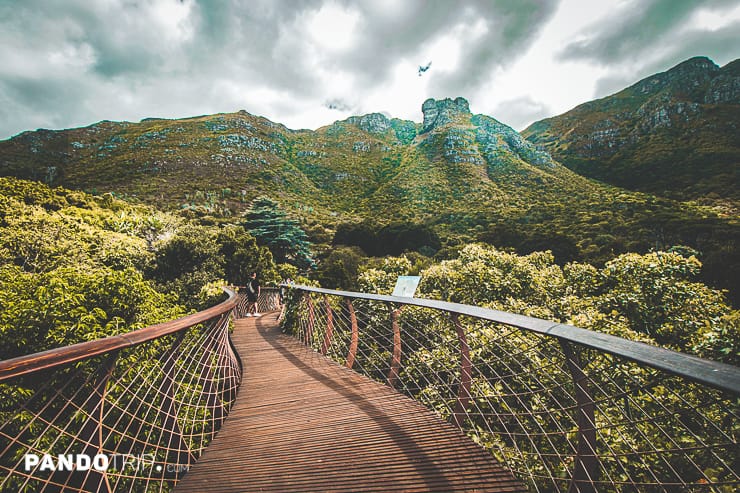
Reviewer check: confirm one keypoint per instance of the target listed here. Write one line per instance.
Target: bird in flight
(424, 68)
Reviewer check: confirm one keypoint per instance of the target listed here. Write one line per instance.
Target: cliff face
(674, 133)
(444, 111)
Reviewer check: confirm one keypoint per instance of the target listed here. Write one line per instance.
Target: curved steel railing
(129, 412)
(565, 408)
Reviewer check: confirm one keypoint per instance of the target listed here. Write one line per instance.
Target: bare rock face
(375, 123)
(438, 113)
(725, 87)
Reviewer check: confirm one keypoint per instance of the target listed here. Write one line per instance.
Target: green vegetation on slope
(74, 267)
(673, 134)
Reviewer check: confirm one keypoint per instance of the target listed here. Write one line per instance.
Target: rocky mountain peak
(684, 77)
(694, 64)
(443, 111)
(673, 133)
(725, 87)
(376, 123)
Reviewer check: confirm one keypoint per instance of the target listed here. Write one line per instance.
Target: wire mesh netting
(561, 416)
(129, 420)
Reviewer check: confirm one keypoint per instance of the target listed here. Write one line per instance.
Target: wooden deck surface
(303, 423)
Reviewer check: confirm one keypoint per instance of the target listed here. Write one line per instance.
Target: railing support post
(241, 306)
(92, 433)
(170, 425)
(586, 462)
(396, 359)
(329, 327)
(283, 308)
(311, 319)
(463, 391)
(355, 335)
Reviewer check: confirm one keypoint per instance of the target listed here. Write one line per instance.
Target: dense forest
(74, 267)
(77, 267)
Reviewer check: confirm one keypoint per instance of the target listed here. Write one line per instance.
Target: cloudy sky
(307, 63)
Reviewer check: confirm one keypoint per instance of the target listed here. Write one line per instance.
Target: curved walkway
(304, 423)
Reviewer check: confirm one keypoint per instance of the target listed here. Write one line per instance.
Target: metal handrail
(715, 374)
(52, 358)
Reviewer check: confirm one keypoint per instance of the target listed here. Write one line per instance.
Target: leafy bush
(40, 311)
(74, 267)
(651, 298)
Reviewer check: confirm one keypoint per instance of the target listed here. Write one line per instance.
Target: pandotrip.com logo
(144, 464)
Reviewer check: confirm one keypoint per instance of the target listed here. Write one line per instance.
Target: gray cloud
(614, 83)
(383, 41)
(722, 45)
(511, 26)
(518, 113)
(337, 104)
(74, 62)
(637, 30)
(106, 49)
(256, 41)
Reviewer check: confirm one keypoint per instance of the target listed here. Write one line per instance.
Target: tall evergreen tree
(272, 228)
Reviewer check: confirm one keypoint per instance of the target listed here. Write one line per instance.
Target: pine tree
(272, 228)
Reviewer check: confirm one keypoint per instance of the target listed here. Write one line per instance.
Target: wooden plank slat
(304, 423)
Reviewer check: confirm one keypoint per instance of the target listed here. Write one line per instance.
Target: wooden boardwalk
(303, 423)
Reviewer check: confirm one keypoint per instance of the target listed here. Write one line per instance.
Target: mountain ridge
(674, 133)
(465, 177)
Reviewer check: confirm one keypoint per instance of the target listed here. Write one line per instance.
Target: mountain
(442, 183)
(363, 165)
(676, 134)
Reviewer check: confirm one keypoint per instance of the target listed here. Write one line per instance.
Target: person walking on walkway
(253, 293)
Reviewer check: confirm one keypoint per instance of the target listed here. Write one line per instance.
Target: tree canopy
(651, 298)
(272, 227)
(75, 267)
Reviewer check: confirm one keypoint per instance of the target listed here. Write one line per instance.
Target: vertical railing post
(586, 462)
(283, 307)
(241, 306)
(355, 335)
(396, 359)
(91, 433)
(311, 319)
(329, 327)
(463, 391)
(170, 425)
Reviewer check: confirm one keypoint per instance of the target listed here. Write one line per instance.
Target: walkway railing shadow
(565, 408)
(126, 413)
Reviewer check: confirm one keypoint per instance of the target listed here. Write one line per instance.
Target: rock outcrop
(374, 123)
(443, 111)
